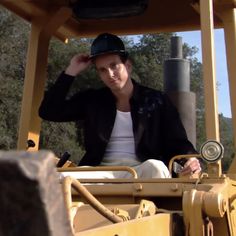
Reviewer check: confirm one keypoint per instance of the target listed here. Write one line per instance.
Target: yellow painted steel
(132, 172)
(193, 213)
(160, 16)
(209, 77)
(228, 16)
(158, 225)
(35, 75)
(208, 58)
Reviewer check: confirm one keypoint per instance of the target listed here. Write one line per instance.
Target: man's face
(112, 71)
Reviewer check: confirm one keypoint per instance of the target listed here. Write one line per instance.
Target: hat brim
(121, 52)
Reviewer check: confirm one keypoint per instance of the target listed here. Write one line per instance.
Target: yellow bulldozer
(199, 205)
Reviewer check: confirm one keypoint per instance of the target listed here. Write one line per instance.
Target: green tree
(13, 43)
(148, 56)
(226, 137)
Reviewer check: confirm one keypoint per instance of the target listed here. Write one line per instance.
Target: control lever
(63, 159)
(177, 168)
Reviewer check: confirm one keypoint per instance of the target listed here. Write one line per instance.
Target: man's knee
(156, 168)
(155, 163)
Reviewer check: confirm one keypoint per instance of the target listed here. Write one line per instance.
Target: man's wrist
(70, 72)
(68, 75)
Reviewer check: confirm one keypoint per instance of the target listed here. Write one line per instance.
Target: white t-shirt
(121, 148)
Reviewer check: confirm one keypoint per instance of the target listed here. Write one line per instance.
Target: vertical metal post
(228, 16)
(207, 27)
(35, 76)
(211, 114)
(177, 87)
(42, 29)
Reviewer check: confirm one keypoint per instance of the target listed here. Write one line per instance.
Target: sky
(194, 39)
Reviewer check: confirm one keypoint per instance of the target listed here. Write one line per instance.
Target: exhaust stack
(177, 87)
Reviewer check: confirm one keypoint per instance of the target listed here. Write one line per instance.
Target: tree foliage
(13, 43)
(148, 53)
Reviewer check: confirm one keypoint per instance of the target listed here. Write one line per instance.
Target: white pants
(149, 169)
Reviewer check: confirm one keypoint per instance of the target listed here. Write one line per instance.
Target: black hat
(107, 43)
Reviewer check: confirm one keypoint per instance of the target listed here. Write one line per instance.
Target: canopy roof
(159, 16)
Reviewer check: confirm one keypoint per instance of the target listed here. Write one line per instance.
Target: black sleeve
(176, 140)
(56, 106)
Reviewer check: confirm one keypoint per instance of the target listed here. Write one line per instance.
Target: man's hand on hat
(78, 63)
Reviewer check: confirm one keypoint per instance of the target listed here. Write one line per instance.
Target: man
(124, 123)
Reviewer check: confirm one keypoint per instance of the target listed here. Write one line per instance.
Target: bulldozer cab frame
(207, 202)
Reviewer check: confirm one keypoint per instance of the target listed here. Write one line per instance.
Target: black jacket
(158, 131)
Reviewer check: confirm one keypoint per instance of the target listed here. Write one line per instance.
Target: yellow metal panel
(158, 225)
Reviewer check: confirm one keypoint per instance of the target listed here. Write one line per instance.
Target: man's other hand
(192, 166)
